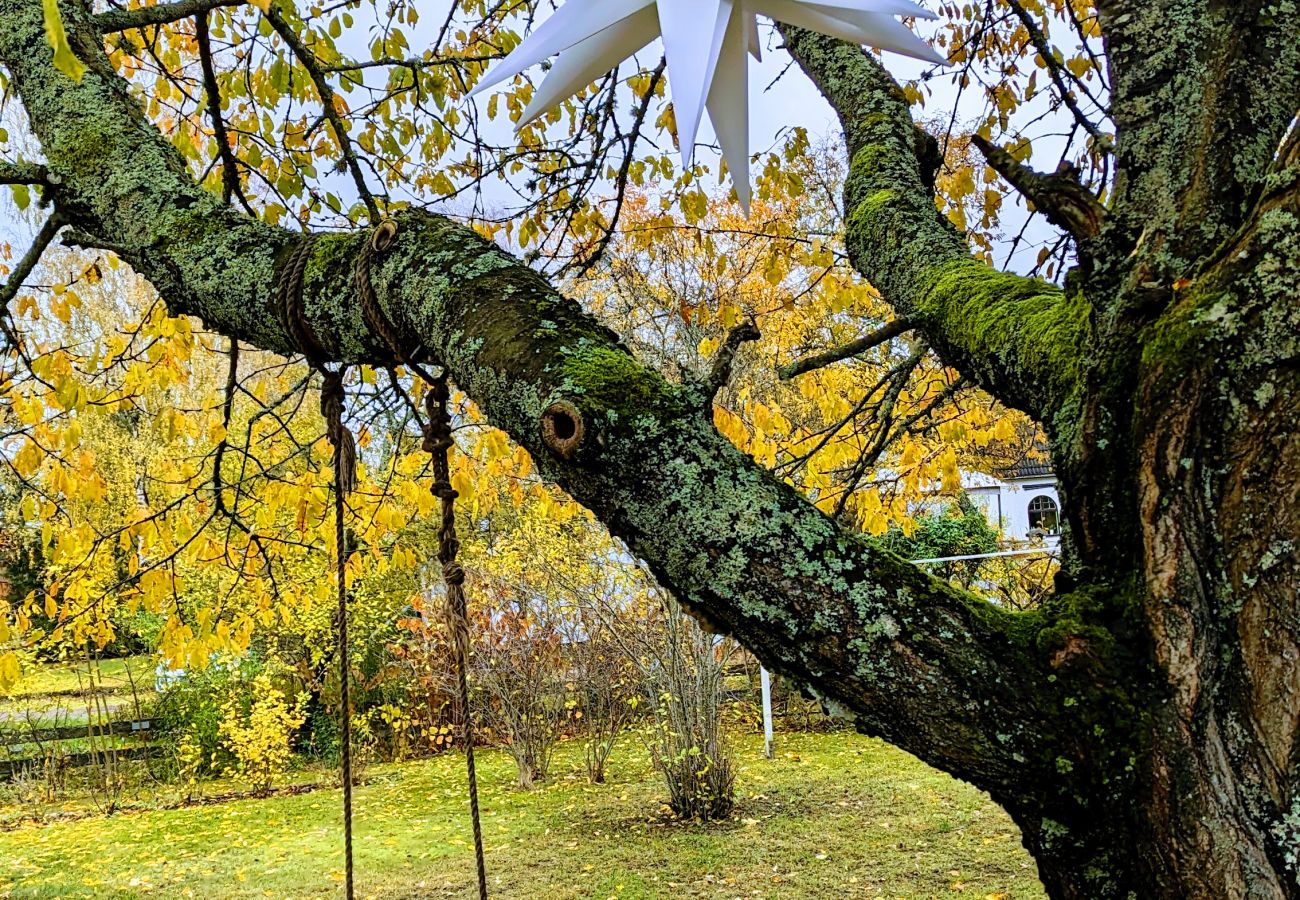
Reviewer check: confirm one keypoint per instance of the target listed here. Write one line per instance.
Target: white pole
(1032, 551)
(766, 681)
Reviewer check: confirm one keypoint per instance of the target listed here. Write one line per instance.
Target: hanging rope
(289, 290)
(438, 442)
(331, 402)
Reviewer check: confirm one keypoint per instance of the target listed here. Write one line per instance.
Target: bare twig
(620, 182)
(24, 268)
(1046, 51)
(880, 336)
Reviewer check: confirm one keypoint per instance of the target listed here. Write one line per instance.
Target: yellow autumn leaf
(64, 59)
(9, 671)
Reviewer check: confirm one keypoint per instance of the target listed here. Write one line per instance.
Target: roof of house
(1028, 468)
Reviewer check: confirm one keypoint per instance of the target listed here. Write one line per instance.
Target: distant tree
(956, 529)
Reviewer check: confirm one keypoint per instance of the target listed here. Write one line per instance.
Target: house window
(1044, 515)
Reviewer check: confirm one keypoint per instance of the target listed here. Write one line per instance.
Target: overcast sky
(780, 97)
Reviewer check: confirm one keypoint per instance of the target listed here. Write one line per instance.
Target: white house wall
(1006, 505)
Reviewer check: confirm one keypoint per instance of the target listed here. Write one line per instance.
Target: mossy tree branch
(941, 673)
(725, 358)
(1019, 338)
(161, 14)
(22, 173)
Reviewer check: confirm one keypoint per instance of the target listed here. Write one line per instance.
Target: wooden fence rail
(30, 749)
(11, 769)
(12, 737)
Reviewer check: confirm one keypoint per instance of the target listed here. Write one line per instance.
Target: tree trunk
(1177, 440)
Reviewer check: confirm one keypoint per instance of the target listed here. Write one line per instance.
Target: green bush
(189, 713)
(960, 529)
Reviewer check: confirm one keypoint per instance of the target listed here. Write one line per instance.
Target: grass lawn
(50, 695)
(833, 816)
(114, 675)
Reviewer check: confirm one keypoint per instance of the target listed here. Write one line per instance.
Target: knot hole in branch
(563, 429)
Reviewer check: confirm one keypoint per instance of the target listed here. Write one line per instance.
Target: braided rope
(301, 337)
(344, 481)
(439, 443)
(289, 296)
(340, 437)
(380, 240)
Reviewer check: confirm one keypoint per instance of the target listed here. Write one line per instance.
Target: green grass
(114, 675)
(52, 695)
(833, 816)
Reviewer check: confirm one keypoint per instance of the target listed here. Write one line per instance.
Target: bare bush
(681, 670)
(517, 673)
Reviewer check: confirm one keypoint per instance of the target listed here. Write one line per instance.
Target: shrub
(189, 715)
(605, 690)
(682, 669)
(258, 734)
(700, 778)
(517, 670)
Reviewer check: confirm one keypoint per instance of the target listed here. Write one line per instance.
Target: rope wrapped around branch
(288, 288)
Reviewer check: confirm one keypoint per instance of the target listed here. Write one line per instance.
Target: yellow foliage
(259, 737)
(9, 671)
(678, 282)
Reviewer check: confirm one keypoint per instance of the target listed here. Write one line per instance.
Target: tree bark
(1179, 451)
(1143, 727)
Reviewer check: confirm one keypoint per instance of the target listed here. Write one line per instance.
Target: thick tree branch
(861, 345)
(162, 14)
(938, 672)
(1019, 338)
(22, 173)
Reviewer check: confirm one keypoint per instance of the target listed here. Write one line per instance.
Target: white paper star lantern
(706, 42)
